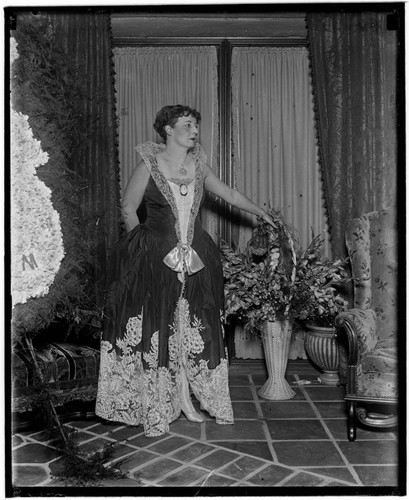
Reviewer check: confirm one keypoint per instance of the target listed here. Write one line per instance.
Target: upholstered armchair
(371, 326)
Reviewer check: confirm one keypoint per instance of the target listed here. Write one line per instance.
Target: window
(257, 123)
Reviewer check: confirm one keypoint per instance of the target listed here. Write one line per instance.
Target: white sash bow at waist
(184, 258)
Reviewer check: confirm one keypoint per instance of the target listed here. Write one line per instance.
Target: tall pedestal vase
(276, 338)
(321, 345)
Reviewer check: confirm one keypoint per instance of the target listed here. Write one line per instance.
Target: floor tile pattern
(294, 443)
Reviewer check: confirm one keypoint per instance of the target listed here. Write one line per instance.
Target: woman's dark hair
(169, 115)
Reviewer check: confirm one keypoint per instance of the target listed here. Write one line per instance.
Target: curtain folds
(86, 38)
(148, 78)
(275, 150)
(354, 69)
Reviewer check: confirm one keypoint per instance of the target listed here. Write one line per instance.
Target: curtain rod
(234, 41)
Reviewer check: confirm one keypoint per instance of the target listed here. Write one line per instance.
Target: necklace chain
(183, 189)
(181, 165)
(182, 168)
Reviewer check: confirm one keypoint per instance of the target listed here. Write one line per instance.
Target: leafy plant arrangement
(259, 281)
(317, 296)
(81, 469)
(48, 89)
(273, 280)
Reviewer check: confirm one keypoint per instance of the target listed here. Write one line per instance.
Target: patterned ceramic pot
(321, 345)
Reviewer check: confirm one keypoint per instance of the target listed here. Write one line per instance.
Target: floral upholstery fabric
(363, 322)
(70, 372)
(372, 246)
(383, 359)
(376, 385)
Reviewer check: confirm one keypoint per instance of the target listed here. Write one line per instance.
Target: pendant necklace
(183, 185)
(182, 169)
(183, 189)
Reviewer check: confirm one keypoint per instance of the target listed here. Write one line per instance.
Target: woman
(163, 334)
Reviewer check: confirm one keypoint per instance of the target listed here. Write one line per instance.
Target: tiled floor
(300, 442)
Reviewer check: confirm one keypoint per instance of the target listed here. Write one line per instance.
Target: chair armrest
(360, 327)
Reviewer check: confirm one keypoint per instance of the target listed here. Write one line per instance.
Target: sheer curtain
(148, 78)
(275, 151)
(354, 65)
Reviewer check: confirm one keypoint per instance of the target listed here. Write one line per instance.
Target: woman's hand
(133, 195)
(267, 218)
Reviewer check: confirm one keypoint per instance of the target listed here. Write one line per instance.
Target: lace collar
(148, 152)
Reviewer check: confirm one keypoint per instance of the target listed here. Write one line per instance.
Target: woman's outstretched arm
(232, 196)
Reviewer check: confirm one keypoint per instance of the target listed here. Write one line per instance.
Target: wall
(280, 25)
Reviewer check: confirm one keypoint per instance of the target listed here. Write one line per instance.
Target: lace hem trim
(134, 389)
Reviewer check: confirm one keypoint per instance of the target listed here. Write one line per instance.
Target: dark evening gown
(165, 308)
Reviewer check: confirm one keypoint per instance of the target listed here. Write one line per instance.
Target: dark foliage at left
(47, 87)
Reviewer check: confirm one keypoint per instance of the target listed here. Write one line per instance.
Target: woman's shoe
(186, 403)
(193, 416)
(189, 411)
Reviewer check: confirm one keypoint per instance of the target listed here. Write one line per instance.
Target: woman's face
(185, 131)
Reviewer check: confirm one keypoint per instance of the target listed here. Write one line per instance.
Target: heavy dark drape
(354, 72)
(86, 38)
